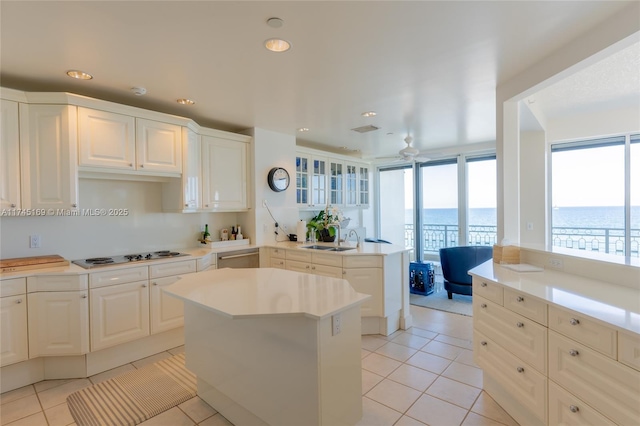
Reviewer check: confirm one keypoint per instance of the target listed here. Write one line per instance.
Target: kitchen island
(274, 347)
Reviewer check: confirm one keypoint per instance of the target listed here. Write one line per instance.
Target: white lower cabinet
(58, 323)
(566, 409)
(13, 329)
(119, 314)
(166, 312)
(367, 281)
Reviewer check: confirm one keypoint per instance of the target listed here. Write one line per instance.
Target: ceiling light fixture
(303, 129)
(139, 91)
(80, 75)
(369, 114)
(277, 45)
(275, 22)
(184, 101)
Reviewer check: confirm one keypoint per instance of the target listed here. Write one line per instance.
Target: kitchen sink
(319, 247)
(341, 248)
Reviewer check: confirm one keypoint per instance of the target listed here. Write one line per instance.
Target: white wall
(594, 124)
(146, 227)
(533, 201)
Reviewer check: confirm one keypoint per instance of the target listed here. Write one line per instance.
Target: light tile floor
(421, 376)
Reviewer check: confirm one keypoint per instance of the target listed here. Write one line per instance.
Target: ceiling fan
(408, 153)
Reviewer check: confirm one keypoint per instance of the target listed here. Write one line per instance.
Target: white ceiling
(428, 68)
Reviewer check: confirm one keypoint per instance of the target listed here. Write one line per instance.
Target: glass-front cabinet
(363, 186)
(336, 183)
(351, 185)
(311, 180)
(302, 180)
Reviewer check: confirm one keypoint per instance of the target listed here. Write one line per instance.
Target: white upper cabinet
(158, 146)
(48, 141)
(363, 185)
(303, 183)
(106, 139)
(312, 177)
(224, 174)
(336, 183)
(9, 155)
(185, 194)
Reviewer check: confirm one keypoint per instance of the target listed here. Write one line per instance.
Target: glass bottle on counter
(206, 236)
(233, 233)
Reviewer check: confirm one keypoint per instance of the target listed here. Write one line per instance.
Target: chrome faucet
(337, 226)
(353, 231)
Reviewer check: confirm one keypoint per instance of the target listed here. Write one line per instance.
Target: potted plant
(321, 223)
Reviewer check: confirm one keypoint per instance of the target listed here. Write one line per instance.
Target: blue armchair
(456, 261)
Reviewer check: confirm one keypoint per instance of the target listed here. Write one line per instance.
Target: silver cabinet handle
(484, 305)
(130, 164)
(186, 205)
(344, 272)
(155, 283)
(141, 166)
(574, 352)
(74, 205)
(483, 284)
(19, 301)
(520, 324)
(574, 321)
(307, 267)
(144, 286)
(520, 299)
(313, 267)
(84, 296)
(13, 205)
(483, 343)
(574, 408)
(520, 370)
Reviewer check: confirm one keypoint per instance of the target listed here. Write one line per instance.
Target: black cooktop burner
(100, 260)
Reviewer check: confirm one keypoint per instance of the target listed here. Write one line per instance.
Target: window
(482, 222)
(594, 206)
(438, 218)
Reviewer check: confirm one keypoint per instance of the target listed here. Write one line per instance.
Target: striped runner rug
(135, 396)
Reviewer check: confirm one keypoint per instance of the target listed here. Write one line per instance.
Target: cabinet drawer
(608, 386)
(277, 263)
(566, 409)
(294, 265)
(488, 290)
(277, 253)
(56, 283)
(584, 330)
(299, 255)
(327, 259)
(525, 305)
(629, 349)
(522, 382)
(524, 338)
(13, 287)
(173, 268)
(118, 276)
(326, 271)
(363, 261)
(205, 263)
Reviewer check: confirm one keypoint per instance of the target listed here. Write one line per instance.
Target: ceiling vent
(365, 129)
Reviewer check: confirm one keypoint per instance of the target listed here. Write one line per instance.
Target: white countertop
(364, 249)
(613, 304)
(242, 293)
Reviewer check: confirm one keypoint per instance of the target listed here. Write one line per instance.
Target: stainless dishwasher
(245, 258)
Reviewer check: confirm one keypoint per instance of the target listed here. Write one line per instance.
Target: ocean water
(577, 217)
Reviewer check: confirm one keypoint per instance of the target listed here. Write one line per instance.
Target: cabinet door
(13, 325)
(58, 323)
(367, 281)
(363, 186)
(191, 180)
(9, 156)
(119, 314)
(318, 181)
(106, 139)
(166, 312)
(303, 197)
(158, 146)
(224, 174)
(48, 141)
(351, 185)
(336, 183)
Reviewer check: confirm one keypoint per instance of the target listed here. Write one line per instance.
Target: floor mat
(135, 396)
(460, 304)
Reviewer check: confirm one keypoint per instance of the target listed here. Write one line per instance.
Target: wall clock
(278, 179)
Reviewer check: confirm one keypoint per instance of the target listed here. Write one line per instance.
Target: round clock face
(278, 179)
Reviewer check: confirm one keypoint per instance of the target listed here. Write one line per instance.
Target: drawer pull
(483, 343)
(155, 283)
(574, 321)
(484, 305)
(19, 301)
(483, 285)
(84, 296)
(574, 352)
(313, 267)
(520, 324)
(520, 370)
(574, 408)
(520, 299)
(144, 286)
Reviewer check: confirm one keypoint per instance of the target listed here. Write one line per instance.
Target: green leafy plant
(329, 216)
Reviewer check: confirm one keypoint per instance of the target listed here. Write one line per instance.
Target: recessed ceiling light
(277, 45)
(80, 75)
(139, 91)
(185, 101)
(303, 129)
(275, 22)
(369, 114)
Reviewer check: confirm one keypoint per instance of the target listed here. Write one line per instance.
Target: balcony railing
(604, 240)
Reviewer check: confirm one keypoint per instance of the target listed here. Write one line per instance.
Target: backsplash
(145, 228)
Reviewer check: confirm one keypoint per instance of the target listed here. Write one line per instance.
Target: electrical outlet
(34, 241)
(555, 263)
(336, 324)
(529, 226)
